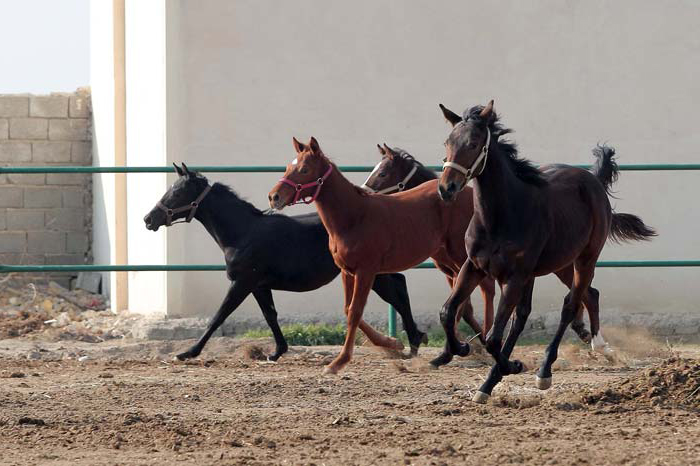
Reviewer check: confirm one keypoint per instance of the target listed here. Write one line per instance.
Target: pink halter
(298, 199)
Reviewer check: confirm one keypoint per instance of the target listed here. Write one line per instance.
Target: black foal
(257, 261)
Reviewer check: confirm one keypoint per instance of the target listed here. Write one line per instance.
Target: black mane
(227, 191)
(523, 168)
(421, 168)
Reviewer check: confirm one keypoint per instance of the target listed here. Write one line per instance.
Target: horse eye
(382, 175)
(303, 170)
(444, 160)
(472, 145)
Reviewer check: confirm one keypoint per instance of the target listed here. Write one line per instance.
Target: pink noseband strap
(298, 198)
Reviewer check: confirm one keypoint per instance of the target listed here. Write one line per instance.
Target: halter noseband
(398, 187)
(483, 156)
(192, 207)
(298, 199)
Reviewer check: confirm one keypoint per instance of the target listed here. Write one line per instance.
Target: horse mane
(525, 170)
(227, 191)
(421, 168)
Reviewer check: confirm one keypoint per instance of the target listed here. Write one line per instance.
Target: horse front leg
(468, 278)
(237, 292)
(522, 311)
(362, 284)
(512, 294)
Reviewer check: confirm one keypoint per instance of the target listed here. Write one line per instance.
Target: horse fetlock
(444, 358)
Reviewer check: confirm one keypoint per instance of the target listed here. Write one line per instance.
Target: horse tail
(628, 227)
(605, 167)
(624, 227)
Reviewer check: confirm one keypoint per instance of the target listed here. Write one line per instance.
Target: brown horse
(372, 234)
(399, 171)
(527, 223)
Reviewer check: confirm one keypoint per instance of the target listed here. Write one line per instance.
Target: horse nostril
(147, 219)
(275, 197)
(451, 187)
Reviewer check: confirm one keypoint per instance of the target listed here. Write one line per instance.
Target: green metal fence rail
(280, 169)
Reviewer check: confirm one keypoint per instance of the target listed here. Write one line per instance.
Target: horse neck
(338, 203)
(498, 193)
(421, 176)
(225, 216)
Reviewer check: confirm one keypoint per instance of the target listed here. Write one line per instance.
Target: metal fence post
(392, 321)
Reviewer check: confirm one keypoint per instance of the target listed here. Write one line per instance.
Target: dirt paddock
(129, 403)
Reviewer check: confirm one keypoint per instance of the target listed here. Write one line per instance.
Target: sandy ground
(123, 402)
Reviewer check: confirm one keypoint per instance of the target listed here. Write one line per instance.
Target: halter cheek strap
(192, 207)
(483, 157)
(298, 198)
(398, 187)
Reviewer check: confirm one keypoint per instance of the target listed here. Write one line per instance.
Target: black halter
(192, 207)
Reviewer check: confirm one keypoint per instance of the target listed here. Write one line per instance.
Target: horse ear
(389, 152)
(299, 147)
(313, 144)
(178, 170)
(381, 151)
(487, 111)
(450, 116)
(186, 170)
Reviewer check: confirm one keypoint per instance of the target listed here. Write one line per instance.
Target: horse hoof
(183, 357)
(441, 360)
(543, 383)
(481, 397)
(330, 370)
(463, 350)
(414, 351)
(397, 344)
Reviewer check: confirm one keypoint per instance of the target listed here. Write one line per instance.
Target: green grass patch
(325, 334)
(306, 334)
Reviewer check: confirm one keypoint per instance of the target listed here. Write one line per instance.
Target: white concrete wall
(102, 85)
(145, 129)
(245, 76)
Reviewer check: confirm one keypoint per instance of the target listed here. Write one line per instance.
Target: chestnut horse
(372, 234)
(527, 223)
(398, 171)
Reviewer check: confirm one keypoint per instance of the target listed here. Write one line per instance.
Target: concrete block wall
(45, 218)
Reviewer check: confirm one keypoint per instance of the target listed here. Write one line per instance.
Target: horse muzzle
(449, 190)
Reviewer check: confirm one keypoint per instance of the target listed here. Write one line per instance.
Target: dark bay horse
(258, 262)
(527, 223)
(398, 171)
(371, 234)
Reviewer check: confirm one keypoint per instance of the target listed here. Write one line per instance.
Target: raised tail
(624, 227)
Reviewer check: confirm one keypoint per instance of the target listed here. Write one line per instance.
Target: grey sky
(45, 45)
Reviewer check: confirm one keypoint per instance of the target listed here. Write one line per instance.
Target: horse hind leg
(578, 325)
(392, 289)
(597, 341)
(267, 305)
(583, 275)
(362, 285)
(488, 292)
